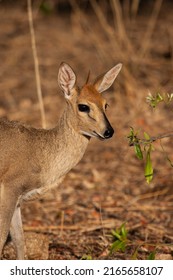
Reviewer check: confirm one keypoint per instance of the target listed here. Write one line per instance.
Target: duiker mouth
(107, 134)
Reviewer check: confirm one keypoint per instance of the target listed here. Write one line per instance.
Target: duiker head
(88, 104)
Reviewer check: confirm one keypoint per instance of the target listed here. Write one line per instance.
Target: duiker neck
(71, 143)
(63, 150)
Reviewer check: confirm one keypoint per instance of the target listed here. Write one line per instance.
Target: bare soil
(107, 188)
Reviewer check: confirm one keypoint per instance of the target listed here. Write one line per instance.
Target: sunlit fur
(32, 161)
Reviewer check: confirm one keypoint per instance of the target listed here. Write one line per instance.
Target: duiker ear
(104, 81)
(66, 79)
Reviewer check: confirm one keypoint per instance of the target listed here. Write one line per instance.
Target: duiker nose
(108, 132)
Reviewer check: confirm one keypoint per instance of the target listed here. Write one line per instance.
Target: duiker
(33, 161)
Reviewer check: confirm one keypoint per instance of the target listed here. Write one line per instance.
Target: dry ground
(108, 187)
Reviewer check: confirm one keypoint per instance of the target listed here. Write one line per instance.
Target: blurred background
(108, 186)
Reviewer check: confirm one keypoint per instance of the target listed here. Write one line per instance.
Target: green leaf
(117, 235)
(86, 257)
(131, 136)
(124, 230)
(118, 245)
(159, 98)
(152, 255)
(147, 137)
(154, 100)
(148, 166)
(120, 239)
(138, 151)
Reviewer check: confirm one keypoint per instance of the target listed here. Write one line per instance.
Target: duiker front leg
(7, 206)
(16, 231)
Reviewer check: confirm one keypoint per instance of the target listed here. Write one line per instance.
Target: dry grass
(36, 64)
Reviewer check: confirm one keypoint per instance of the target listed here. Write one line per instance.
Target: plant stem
(151, 140)
(36, 64)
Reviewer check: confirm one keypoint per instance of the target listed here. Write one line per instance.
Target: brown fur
(33, 161)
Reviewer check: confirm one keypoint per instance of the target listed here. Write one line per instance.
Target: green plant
(142, 152)
(151, 255)
(144, 146)
(86, 257)
(157, 98)
(119, 239)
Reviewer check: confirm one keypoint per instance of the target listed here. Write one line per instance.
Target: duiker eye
(83, 108)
